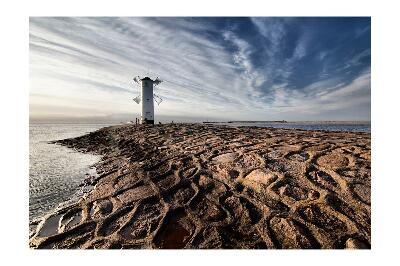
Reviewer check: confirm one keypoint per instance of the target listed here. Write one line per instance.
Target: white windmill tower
(147, 98)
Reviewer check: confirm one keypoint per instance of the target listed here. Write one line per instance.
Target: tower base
(148, 122)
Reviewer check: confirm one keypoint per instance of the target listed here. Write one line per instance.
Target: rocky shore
(212, 186)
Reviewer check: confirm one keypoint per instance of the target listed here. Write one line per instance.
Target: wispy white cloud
(91, 56)
(85, 66)
(325, 96)
(271, 28)
(242, 58)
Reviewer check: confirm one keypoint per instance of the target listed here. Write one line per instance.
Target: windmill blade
(137, 79)
(137, 85)
(157, 98)
(137, 99)
(157, 81)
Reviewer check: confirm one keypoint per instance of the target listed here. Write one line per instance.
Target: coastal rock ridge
(209, 186)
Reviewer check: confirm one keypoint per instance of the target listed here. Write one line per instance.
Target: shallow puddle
(50, 226)
(174, 237)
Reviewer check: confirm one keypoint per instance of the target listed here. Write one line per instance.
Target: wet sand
(212, 186)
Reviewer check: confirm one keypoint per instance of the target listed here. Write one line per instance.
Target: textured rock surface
(205, 186)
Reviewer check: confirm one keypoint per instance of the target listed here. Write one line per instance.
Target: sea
(349, 126)
(56, 172)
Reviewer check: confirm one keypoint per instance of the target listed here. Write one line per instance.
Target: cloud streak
(227, 68)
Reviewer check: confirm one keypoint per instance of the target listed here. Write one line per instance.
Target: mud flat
(212, 186)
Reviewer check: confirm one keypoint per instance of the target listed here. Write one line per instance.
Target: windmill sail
(137, 79)
(157, 99)
(157, 81)
(137, 99)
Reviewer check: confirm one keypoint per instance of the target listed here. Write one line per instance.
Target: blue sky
(304, 68)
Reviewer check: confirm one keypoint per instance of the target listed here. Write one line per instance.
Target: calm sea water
(55, 172)
(330, 126)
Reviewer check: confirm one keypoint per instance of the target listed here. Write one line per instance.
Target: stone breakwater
(207, 186)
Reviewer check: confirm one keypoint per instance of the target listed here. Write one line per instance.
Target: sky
(213, 68)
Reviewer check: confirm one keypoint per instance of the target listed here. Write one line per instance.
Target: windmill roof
(146, 78)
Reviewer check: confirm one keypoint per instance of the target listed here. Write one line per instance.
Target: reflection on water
(55, 172)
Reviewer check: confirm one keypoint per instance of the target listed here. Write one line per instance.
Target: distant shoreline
(290, 122)
(277, 121)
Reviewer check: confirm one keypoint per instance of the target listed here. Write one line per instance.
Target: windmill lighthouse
(147, 98)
